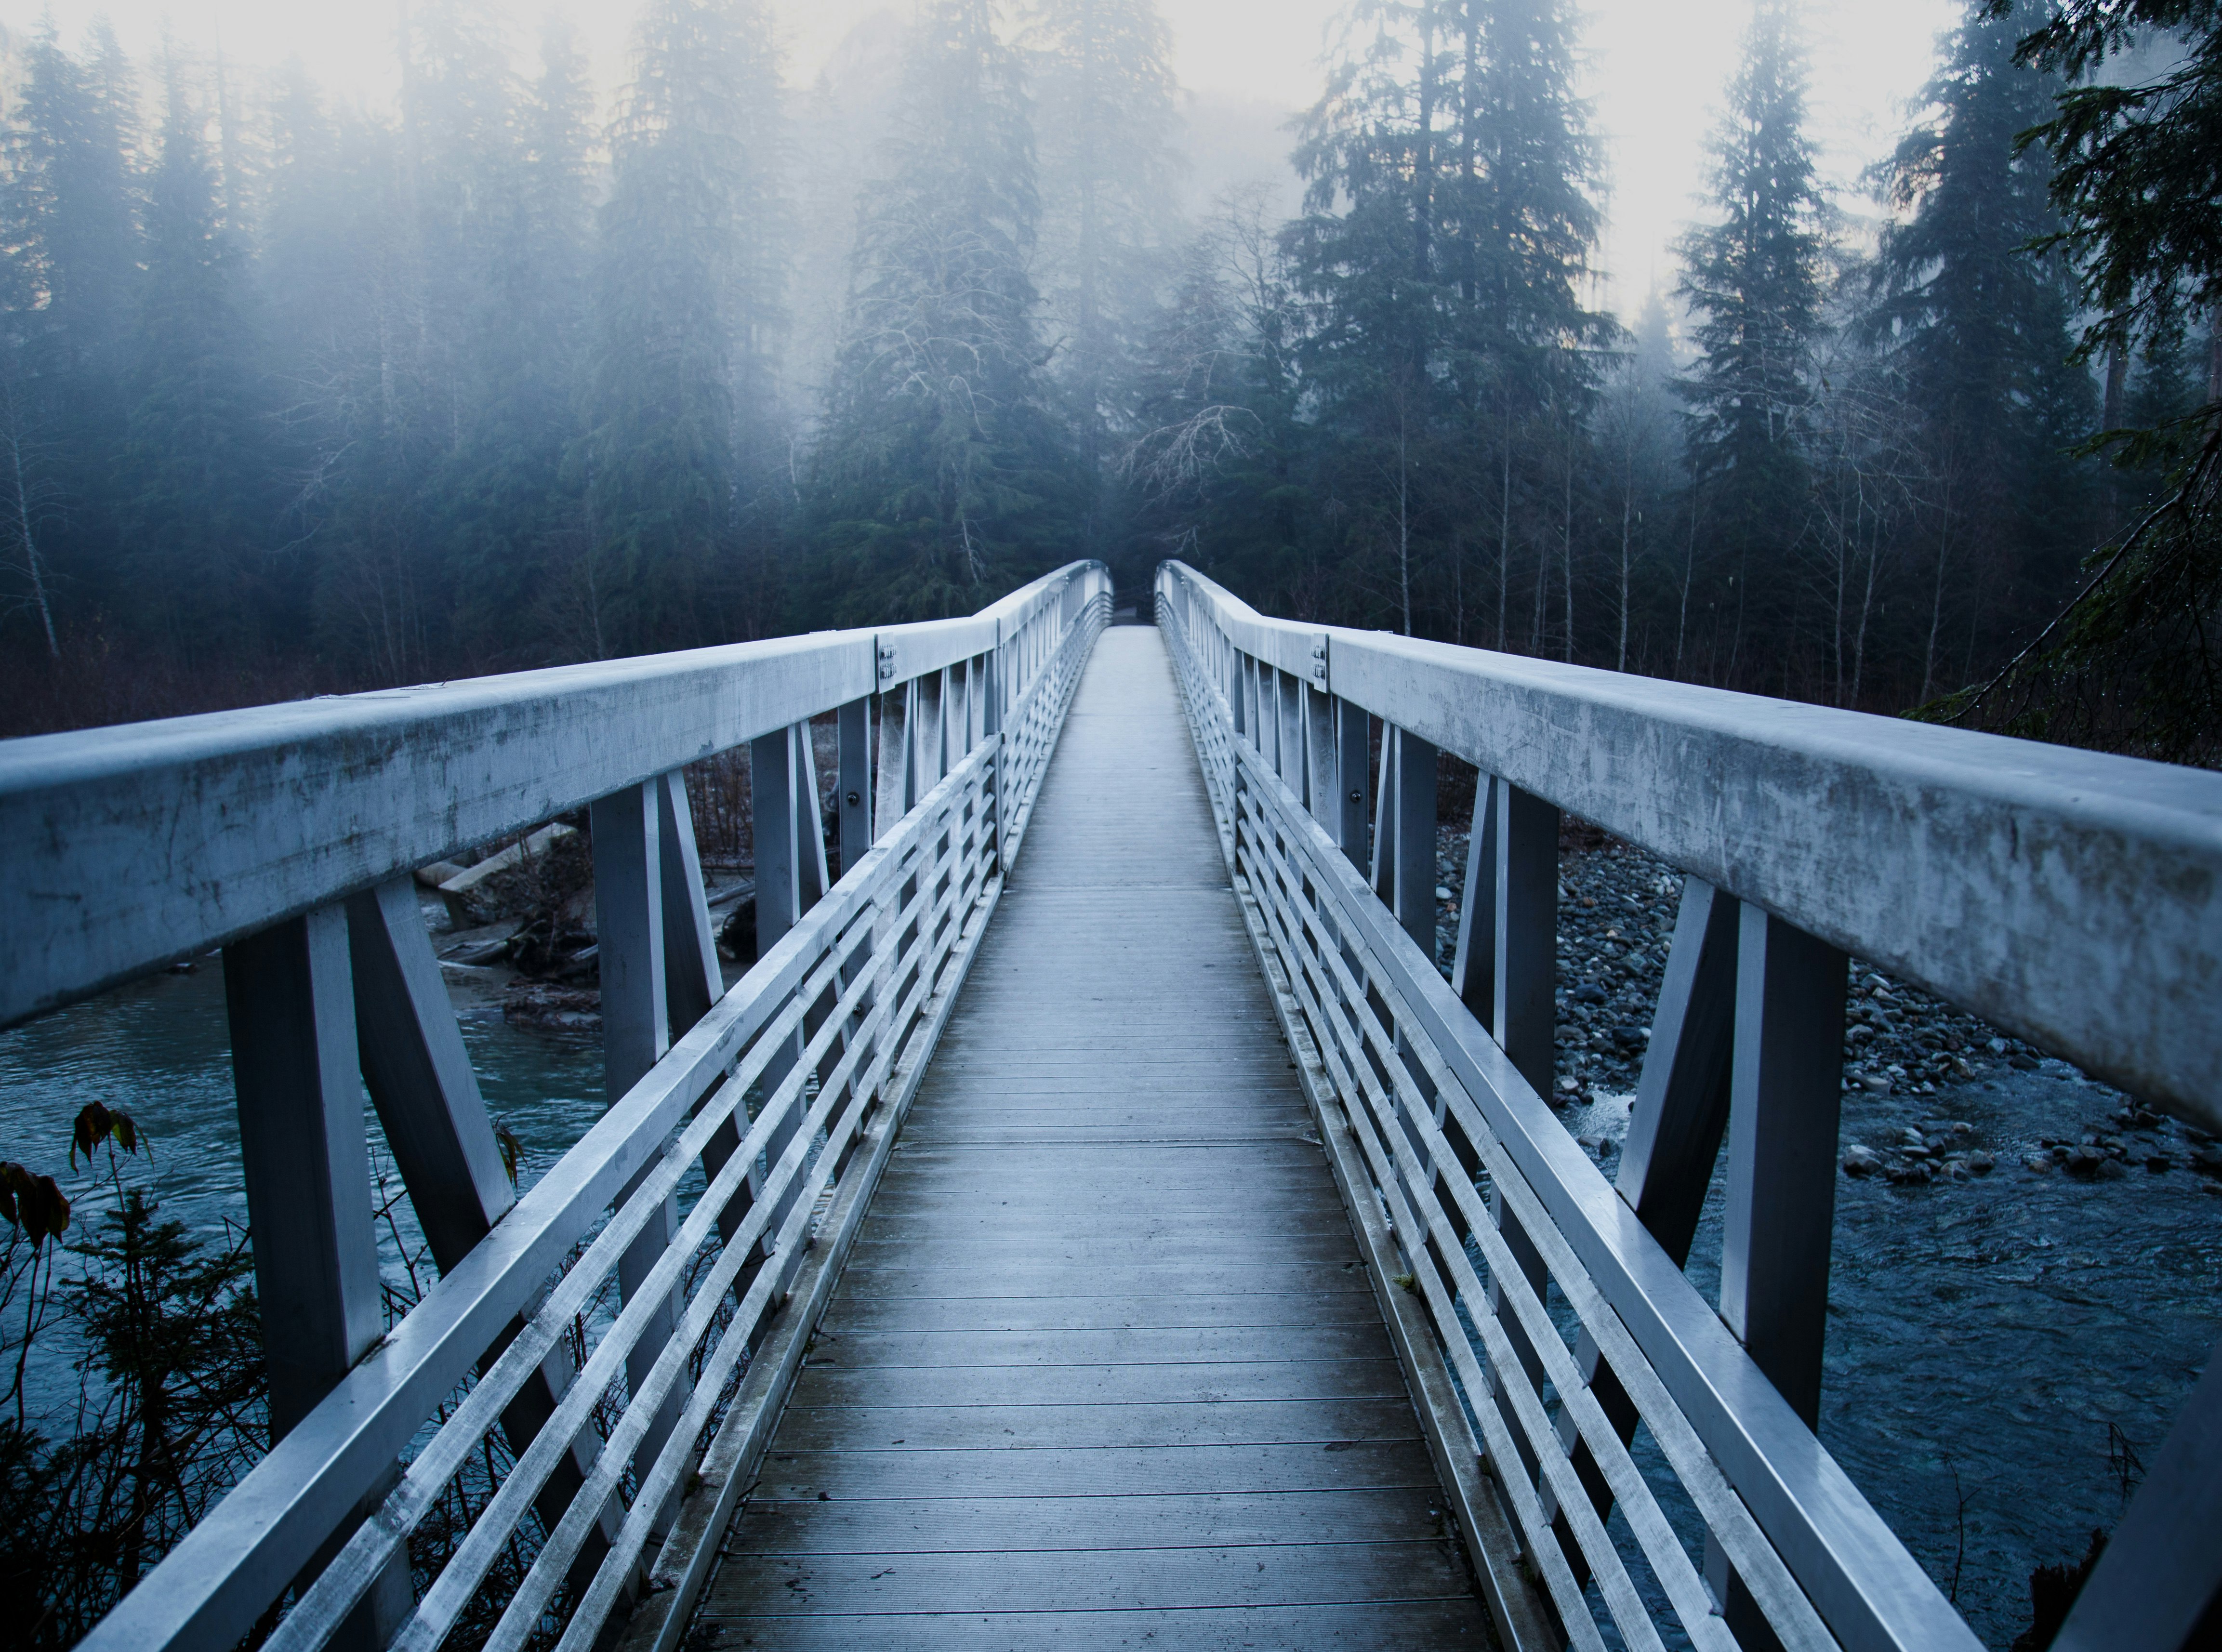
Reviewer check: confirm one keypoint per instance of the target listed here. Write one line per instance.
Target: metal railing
(600, 1360)
(2073, 898)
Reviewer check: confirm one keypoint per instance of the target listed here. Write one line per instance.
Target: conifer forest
(299, 396)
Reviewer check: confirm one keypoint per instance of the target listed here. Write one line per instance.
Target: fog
(1653, 74)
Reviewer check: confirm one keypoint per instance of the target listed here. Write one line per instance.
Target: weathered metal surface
(1425, 1087)
(129, 847)
(2072, 897)
(838, 1004)
(1107, 1271)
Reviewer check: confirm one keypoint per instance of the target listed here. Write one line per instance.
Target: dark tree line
(294, 396)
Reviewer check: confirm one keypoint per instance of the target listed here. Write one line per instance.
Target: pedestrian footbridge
(1097, 1219)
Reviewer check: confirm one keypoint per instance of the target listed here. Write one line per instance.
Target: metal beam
(2003, 876)
(1525, 1016)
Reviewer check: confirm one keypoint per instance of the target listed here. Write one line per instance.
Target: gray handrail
(301, 823)
(124, 849)
(1418, 1103)
(2072, 897)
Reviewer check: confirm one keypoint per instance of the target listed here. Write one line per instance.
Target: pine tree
(1978, 328)
(681, 462)
(944, 475)
(200, 506)
(1752, 282)
(69, 218)
(1106, 165)
(1449, 226)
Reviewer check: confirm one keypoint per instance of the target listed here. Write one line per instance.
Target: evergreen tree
(1450, 223)
(1752, 282)
(681, 461)
(69, 216)
(1978, 327)
(200, 505)
(944, 475)
(1107, 172)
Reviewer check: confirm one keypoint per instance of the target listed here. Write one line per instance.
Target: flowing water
(2004, 1354)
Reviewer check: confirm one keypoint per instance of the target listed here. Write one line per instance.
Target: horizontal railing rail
(575, 1405)
(2073, 898)
(1476, 1198)
(131, 847)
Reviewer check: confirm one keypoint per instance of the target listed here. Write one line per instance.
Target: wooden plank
(1124, 1345)
(1105, 1365)
(1108, 1471)
(1014, 1427)
(1294, 1310)
(1384, 1626)
(1024, 1581)
(1147, 1520)
(1185, 1382)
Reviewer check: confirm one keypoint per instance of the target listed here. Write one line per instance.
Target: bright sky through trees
(1656, 71)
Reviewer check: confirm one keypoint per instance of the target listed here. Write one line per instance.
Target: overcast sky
(1656, 72)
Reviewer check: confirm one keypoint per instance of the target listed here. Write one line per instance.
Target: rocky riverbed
(2027, 1275)
(1906, 1053)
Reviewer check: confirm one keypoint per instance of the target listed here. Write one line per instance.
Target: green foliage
(173, 1408)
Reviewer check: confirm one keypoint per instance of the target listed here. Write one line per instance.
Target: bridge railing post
(289, 997)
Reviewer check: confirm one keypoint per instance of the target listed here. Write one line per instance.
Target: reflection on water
(2001, 1352)
(159, 1049)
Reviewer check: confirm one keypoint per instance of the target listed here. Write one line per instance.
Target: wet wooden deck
(1105, 1369)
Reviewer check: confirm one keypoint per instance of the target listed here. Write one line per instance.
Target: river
(2003, 1352)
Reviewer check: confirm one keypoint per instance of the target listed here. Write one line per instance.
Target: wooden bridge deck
(1105, 1368)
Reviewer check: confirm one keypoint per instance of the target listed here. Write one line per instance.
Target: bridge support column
(1353, 777)
(420, 1078)
(1525, 987)
(1786, 1093)
(289, 995)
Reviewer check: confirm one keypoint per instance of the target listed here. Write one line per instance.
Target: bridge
(1096, 1219)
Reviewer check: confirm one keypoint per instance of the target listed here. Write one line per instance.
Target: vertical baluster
(779, 785)
(290, 999)
(692, 978)
(1473, 966)
(895, 787)
(1292, 768)
(1322, 788)
(855, 780)
(1414, 878)
(636, 1031)
(1526, 985)
(1353, 767)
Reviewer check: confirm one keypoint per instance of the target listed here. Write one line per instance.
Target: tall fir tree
(1752, 282)
(1979, 327)
(681, 467)
(199, 507)
(1451, 220)
(944, 475)
(72, 251)
(1108, 121)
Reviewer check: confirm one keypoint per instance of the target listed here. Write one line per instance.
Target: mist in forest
(522, 345)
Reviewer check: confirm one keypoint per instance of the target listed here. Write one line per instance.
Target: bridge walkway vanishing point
(1094, 1218)
(1104, 1362)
